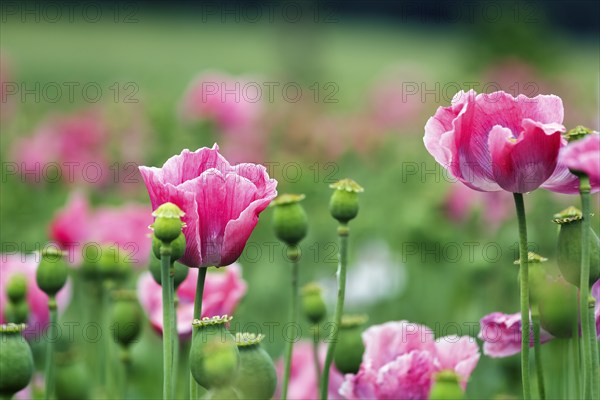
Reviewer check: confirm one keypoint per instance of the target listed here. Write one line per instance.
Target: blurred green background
(404, 230)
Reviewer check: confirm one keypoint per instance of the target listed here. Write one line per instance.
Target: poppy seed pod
(537, 274)
(177, 247)
(16, 289)
(181, 272)
(569, 247)
(446, 387)
(289, 218)
(313, 305)
(17, 313)
(126, 317)
(558, 308)
(214, 356)
(52, 272)
(167, 225)
(257, 378)
(343, 204)
(350, 347)
(577, 133)
(16, 360)
(72, 377)
(113, 262)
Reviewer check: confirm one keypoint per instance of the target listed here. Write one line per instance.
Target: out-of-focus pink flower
(401, 359)
(461, 200)
(495, 141)
(36, 386)
(125, 226)
(584, 156)
(501, 334)
(221, 202)
(596, 294)
(231, 102)
(26, 265)
(223, 291)
(303, 377)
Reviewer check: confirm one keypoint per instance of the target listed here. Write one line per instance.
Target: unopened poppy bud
(350, 347)
(289, 218)
(167, 225)
(52, 272)
(177, 247)
(558, 308)
(181, 272)
(214, 356)
(18, 312)
(569, 247)
(127, 317)
(113, 262)
(256, 378)
(343, 205)
(446, 387)
(16, 289)
(16, 360)
(313, 305)
(577, 133)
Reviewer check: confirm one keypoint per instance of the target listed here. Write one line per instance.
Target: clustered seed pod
(214, 356)
(17, 309)
(177, 247)
(167, 225)
(343, 204)
(569, 247)
(446, 387)
(257, 378)
(313, 305)
(16, 360)
(180, 272)
(52, 272)
(127, 317)
(350, 347)
(289, 219)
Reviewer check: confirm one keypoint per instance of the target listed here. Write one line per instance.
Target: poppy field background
(422, 248)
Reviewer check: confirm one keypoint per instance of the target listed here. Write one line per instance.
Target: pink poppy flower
(26, 265)
(487, 140)
(303, 377)
(401, 359)
(584, 156)
(126, 227)
(231, 102)
(501, 334)
(221, 202)
(223, 291)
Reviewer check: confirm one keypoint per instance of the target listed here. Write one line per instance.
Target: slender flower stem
(577, 359)
(594, 348)
(167, 307)
(524, 289)
(343, 232)
(293, 255)
(175, 336)
(584, 285)
(49, 371)
(539, 365)
(126, 362)
(316, 352)
(107, 288)
(197, 314)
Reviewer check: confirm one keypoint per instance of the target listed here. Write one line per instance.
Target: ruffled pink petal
(407, 377)
(596, 294)
(523, 164)
(584, 156)
(460, 354)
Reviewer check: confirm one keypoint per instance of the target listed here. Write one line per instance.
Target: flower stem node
(350, 348)
(16, 360)
(52, 272)
(214, 356)
(257, 378)
(446, 386)
(313, 305)
(16, 290)
(167, 225)
(569, 246)
(343, 205)
(289, 218)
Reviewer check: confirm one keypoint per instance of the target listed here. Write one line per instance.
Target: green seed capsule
(127, 317)
(52, 272)
(569, 247)
(343, 204)
(446, 387)
(17, 313)
(256, 378)
(72, 381)
(313, 305)
(350, 347)
(289, 219)
(16, 289)
(181, 272)
(16, 360)
(214, 356)
(167, 225)
(558, 308)
(177, 247)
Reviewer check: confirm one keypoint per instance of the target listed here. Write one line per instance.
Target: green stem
(316, 353)
(167, 306)
(594, 348)
(584, 285)
(343, 232)
(292, 320)
(49, 371)
(175, 336)
(577, 359)
(126, 361)
(197, 314)
(539, 365)
(108, 343)
(524, 295)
